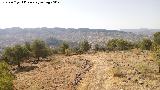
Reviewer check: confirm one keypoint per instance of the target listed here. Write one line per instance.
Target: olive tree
(16, 54)
(156, 46)
(112, 44)
(64, 47)
(39, 49)
(84, 46)
(118, 44)
(156, 38)
(146, 44)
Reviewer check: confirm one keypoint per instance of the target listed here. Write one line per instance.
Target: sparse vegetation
(115, 72)
(16, 54)
(156, 38)
(54, 51)
(68, 52)
(146, 44)
(125, 64)
(6, 78)
(76, 50)
(143, 68)
(64, 47)
(118, 44)
(96, 47)
(39, 49)
(28, 46)
(156, 47)
(84, 46)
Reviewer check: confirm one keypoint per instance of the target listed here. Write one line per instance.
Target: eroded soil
(127, 70)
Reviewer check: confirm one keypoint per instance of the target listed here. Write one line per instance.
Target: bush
(5, 77)
(96, 47)
(39, 49)
(76, 50)
(115, 72)
(118, 44)
(54, 51)
(156, 38)
(156, 56)
(144, 68)
(156, 48)
(84, 46)
(16, 54)
(123, 45)
(28, 46)
(68, 52)
(146, 44)
(112, 44)
(63, 47)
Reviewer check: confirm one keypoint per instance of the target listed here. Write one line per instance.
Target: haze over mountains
(143, 31)
(16, 35)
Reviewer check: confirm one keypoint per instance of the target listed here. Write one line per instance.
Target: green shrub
(84, 46)
(5, 77)
(54, 51)
(16, 54)
(156, 48)
(96, 47)
(63, 47)
(143, 68)
(115, 72)
(28, 45)
(76, 50)
(39, 49)
(146, 44)
(156, 38)
(118, 44)
(156, 56)
(68, 52)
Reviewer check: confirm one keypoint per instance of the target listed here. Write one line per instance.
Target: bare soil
(123, 70)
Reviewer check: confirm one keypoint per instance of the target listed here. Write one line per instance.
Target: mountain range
(16, 35)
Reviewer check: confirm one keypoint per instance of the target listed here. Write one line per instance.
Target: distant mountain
(142, 31)
(11, 36)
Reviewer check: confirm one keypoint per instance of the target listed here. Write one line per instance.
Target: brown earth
(125, 70)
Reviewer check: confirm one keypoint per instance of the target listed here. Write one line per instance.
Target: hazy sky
(106, 14)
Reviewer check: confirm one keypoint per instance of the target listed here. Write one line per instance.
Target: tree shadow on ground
(37, 61)
(25, 69)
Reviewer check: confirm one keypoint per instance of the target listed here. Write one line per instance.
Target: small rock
(136, 80)
(141, 82)
(129, 78)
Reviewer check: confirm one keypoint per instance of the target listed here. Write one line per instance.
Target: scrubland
(119, 70)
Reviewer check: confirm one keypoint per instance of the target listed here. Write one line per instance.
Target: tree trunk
(37, 60)
(159, 68)
(19, 66)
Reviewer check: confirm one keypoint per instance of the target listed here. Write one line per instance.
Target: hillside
(11, 36)
(122, 70)
(142, 31)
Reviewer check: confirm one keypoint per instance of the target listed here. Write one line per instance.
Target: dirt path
(101, 71)
(121, 71)
(95, 78)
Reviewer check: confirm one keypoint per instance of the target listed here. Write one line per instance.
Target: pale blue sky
(107, 14)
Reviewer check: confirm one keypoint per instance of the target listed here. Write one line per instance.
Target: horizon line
(84, 28)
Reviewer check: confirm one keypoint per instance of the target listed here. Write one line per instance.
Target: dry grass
(125, 70)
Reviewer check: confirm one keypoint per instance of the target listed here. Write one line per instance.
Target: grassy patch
(116, 72)
(5, 77)
(144, 68)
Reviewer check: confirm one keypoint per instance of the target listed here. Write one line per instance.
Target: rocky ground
(59, 73)
(125, 70)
